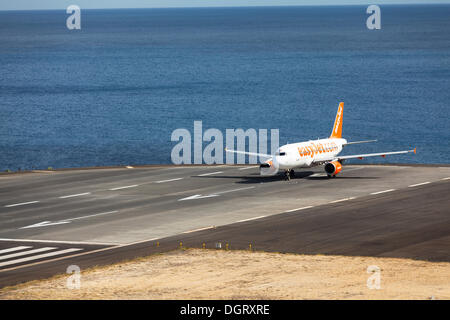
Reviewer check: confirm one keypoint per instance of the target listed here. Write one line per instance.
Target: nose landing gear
(288, 174)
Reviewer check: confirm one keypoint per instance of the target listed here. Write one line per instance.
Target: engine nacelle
(268, 168)
(333, 168)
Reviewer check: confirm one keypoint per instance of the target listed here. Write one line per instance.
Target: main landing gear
(331, 176)
(288, 174)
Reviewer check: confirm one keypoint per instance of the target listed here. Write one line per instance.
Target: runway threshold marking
(75, 195)
(59, 241)
(298, 209)
(124, 187)
(20, 204)
(209, 174)
(169, 180)
(418, 184)
(24, 253)
(50, 223)
(14, 249)
(40, 256)
(384, 191)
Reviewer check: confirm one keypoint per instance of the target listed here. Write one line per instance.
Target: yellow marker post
(250, 247)
(157, 243)
(203, 245)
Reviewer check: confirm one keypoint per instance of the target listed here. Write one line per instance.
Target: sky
(96, 4)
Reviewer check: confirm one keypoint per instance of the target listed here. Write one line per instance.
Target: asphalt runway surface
(51, 220)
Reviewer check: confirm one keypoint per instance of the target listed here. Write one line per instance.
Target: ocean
(113, 92)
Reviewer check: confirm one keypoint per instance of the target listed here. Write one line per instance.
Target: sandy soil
(214, 274)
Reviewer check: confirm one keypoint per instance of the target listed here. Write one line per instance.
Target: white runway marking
(340, 200)
(222, 192)
(297, 209)
(448, 178)
(418, 184)
(200, 229)
(14, 249)
(20, 204)
(249, 219)
(40, 256)
(216, 194)
(75, 195)
(125, 187)
(246, 168)
(58, 241)
(209, 174)
(24, 253)
(92, 215)
(50, 223)
(384, 191)
(169, 180)
(198, 196)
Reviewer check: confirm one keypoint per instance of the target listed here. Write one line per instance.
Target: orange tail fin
(337, 128)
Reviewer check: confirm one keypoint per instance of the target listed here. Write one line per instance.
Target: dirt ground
(220, 274)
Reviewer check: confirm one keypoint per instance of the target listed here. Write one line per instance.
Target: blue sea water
(113, 92)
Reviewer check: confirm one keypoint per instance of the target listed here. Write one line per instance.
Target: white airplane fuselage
(303, 155)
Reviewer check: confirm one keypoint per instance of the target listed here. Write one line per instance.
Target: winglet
(414, 150)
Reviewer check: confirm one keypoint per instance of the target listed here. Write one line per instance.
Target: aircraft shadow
(256, 178)
(340, 178)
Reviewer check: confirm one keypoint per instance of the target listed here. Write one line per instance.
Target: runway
(121, 213)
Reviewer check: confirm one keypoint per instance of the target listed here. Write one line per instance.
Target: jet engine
(333, 168)
(268, 168)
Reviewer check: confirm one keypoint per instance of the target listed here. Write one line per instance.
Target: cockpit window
(281, 153)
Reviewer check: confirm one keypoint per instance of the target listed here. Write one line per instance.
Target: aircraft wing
(380, 154)
(250, 153)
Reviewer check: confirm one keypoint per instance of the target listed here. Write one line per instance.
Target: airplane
(314, 153)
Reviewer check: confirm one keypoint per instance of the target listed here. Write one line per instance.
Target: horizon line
(237, 6)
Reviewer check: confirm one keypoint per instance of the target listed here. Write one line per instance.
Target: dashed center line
(340, 200)
(384, 191)
(419, 184)
(246, 168)
(75, 195)
(169, 180)
(209, 174)
(20, 204)
(448, 178)
(125, 187)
